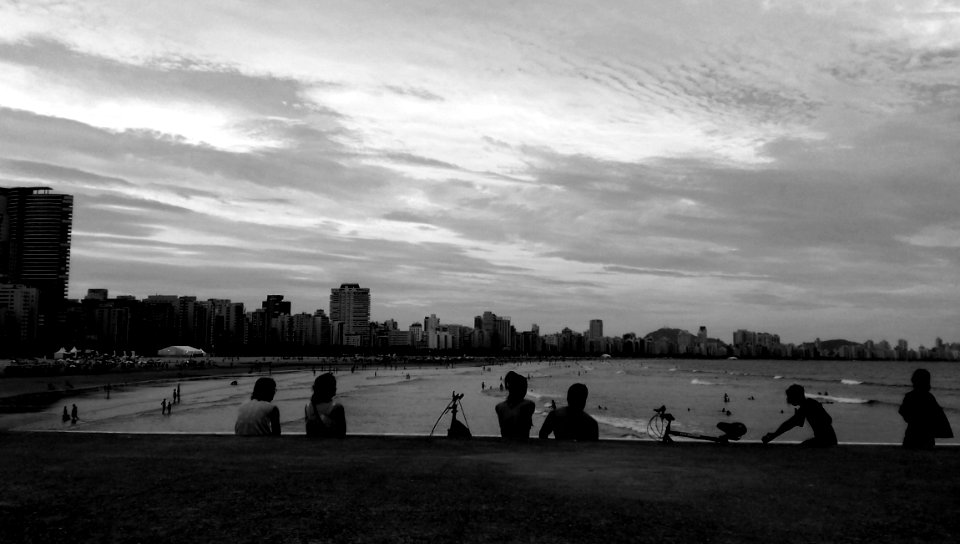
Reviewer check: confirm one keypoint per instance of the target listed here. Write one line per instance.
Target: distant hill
(836, 344)
(664, 334)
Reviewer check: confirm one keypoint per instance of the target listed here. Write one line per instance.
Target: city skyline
(740, 165)
(590, 327)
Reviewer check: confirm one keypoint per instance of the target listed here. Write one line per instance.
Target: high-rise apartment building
(35, 227)
(18, 315)
(596, 328)
(350, 305)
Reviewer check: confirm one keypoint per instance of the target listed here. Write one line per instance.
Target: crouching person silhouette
(812, 412)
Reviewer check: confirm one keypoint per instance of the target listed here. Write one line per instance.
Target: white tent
(60, 353)
(180, 351)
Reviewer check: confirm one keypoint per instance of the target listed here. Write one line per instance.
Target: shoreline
(479, 437)
(385, 489)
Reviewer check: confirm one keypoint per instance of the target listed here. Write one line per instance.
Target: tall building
(35, 226)
(350, 305)
(596, 328)
(431, 325)
(18, 316)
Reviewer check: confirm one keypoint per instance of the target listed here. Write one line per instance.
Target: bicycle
(659, 429)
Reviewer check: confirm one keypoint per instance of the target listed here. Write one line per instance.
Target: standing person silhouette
(258, 416)
(571, 422)
(515, 414)
(812, 412)
(324, 416)
(925, 418)
(74, 417)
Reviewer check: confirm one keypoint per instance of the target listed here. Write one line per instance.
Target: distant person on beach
(163, 407)
(924, 416)
(66, 416)
(515, 414)
(812, 412)
(571, 422)
(74, 417)
(325, 417)
(258, 416)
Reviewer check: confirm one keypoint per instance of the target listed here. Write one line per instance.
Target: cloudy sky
(789, 167)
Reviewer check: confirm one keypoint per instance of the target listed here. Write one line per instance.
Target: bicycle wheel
(656, 427)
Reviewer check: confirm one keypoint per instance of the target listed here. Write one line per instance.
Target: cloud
(790, 164)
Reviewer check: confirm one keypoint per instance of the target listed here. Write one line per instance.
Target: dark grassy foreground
(71, 487)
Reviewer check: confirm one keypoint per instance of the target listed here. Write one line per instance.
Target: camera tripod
(457, 429)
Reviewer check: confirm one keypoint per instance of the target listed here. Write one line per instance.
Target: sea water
(861, 397)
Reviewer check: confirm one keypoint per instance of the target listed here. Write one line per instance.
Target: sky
(777, 166)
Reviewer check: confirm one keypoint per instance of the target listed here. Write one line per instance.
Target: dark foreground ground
(71, 487)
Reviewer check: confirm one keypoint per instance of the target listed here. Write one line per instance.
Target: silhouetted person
(66, 416)
(515, 414)
(258, 416)
(324, 416)
(163, 407)
(73, 414)
(925, 418)
(571, 422)
(812, 412)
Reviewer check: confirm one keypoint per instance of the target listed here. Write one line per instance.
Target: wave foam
(841, 400)
(850, 382)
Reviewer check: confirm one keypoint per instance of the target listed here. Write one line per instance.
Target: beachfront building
(431, 324)
(35, 229)
(350, 305)
(594, 337)
(18, 316)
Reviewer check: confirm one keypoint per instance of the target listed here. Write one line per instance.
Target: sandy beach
(79, 487)
(408, 399)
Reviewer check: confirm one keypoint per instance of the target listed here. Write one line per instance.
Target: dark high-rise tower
(35, 227)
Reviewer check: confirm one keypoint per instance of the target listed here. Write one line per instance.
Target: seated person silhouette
(258, 416)
(811, 411)
(924, 416)
(324, 416)
(515, 414)
(571, 422)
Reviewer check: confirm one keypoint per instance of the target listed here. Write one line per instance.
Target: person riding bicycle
(807, 410)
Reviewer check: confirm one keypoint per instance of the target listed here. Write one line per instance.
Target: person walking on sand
(925, 418)
(515, 414)
(571, 422)
(74, 417)
(66, 416)
(163, 407)
(258, 416)
(325, 417)
(812, 412)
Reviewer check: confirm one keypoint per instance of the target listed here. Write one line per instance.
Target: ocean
(861, 397)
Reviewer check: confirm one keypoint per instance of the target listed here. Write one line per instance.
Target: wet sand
(79, 487)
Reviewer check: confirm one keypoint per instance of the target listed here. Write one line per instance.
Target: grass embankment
(71, 487)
